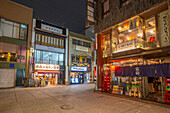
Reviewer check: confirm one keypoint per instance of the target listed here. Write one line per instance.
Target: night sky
(68, 13)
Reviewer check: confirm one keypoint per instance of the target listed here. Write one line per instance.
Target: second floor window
(13, 30)
(105, 8)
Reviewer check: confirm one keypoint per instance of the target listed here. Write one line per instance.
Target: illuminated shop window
(131, 30)
(150, 31)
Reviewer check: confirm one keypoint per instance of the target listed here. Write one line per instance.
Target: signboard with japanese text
(81, 48)
(78, 68)
(46, 67)
(126, 45)
(164, 28)
(51, 28)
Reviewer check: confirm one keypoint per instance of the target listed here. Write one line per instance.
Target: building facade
(80, 59)
(15, 40)
(50, 50)
(133, 48)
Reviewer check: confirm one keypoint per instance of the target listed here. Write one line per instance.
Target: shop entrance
(86, 78)
(19, 77)
(76, 77)
(46, 79)
(154, 89)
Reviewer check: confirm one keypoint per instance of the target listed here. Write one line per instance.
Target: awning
(47, 72)
(155, 70)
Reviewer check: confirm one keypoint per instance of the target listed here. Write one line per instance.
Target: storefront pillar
(99, 61)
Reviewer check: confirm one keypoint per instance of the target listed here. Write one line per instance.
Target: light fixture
(119, 28)
(140, 34)
(151, 31)
(130, 30)
(128, 38)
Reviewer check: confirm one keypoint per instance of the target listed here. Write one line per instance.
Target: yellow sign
(8, 58)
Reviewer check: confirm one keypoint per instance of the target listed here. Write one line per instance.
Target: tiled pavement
(74, 98)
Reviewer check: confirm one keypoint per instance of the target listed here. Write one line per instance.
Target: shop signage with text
(78, 68)
(46, 67)
(81, 48)
(164, 28)
(126, 46)
(52, 29)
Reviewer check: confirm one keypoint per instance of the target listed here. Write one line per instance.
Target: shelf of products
(106, 83)
(167, 94)
(117, 89)
(135, 92)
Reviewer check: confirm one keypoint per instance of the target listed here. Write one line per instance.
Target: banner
(155, 70)
(164, 28)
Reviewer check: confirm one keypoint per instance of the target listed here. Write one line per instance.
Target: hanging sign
(164, 28)
(51, 28)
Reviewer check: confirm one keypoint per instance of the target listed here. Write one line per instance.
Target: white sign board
(78, 68)
(126, 45)
(46, 67)
(164, 28)
(51, 28)
(81, 48)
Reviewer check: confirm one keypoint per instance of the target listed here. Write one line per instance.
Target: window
(81, 43)
(46, 38)
(105, 8)
(49, 40)
(23, 31)
(12, 29)
(83, 60)
(74, 41)
(42, 39)
(16, 31)
(77, 59)
(124, 2)
(73, 58)
(38, 38)
(48, 57)
(61, 59)
(130, 30)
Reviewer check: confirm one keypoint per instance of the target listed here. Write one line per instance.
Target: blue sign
(78, 68)
(12, 65)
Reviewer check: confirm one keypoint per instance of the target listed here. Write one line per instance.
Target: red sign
(152, 39)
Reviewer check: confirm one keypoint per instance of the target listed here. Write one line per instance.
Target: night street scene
(84, 56)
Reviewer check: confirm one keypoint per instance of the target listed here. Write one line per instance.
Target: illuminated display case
(150, 31)
(129, 34)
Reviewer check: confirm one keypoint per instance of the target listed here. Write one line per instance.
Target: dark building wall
(68, 13)
(120, 13)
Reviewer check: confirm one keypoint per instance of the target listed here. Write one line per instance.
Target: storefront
(79, 75)
(133, 57)
(47, 73)
(13, 53)
(50, 53)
